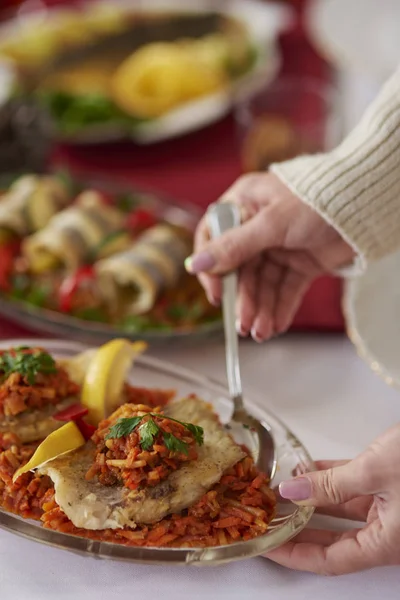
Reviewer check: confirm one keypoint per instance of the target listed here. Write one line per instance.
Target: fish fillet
(34, 425)
(91, 505)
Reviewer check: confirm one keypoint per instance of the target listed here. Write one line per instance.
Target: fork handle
(221, 218)
(229, 295)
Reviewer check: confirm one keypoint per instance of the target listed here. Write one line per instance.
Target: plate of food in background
(111, 454)
(121, 71)
(94, 261)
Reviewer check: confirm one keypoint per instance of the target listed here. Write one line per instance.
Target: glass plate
(291, 455)
(59, 325)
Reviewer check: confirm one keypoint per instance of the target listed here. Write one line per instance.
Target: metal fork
(245, 428)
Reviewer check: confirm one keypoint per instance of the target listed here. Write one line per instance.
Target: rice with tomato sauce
(238, 508)
(26, 496)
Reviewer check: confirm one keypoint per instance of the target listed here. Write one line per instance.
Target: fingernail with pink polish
(239, 328)
(213, 300)
(296, 489)
(198, 263)
(256, 336)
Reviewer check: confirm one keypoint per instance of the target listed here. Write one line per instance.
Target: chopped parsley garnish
(149, 430)
(26, 362)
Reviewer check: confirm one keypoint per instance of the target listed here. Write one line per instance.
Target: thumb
(237, 246)
(332, 486)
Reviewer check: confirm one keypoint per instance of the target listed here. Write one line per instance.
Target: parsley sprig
(149, 430)
(27, 363)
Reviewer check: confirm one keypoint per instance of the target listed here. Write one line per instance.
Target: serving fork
(254, 434)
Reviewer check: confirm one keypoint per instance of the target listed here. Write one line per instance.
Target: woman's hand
(281, 247)
(364, 489)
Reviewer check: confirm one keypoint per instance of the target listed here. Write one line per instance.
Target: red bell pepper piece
(8, 253)
(86, 429)
(73, 412)
(140, 219)
(70, 284)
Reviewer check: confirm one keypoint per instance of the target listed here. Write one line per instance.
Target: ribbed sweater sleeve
(356, 187)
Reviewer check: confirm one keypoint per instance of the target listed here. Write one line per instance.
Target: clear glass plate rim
(153, 555)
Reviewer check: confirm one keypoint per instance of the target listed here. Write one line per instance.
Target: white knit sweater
(356, 187)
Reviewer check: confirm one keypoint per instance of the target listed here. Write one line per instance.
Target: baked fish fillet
(35, 425)
(90, 505)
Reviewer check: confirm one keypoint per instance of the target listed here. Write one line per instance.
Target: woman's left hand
(364, 489)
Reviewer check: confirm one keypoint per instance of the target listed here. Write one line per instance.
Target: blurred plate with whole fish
(120, 71)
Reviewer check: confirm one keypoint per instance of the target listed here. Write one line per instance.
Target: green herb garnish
(128, 202)
(27, 364)
(95, 315)
(73, 113)
(139, 323)
(149, 430)
(174, 444)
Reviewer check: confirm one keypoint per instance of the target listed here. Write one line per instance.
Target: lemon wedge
(63, 440)
(105, 377)
(161, 76)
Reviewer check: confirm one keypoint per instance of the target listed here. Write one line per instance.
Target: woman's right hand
(365, 489)
(280, 248)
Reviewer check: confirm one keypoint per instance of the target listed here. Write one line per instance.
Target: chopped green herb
(73, 113)
(174, 444)
(27, 364)
(149, 430)
(139, 323)
(38, 295)
(123, 428)
(19, 287)
(197, 431)
(95, 315)
(128, 202)
(177, 311)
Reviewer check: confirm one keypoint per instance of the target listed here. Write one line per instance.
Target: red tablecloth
(199, 167)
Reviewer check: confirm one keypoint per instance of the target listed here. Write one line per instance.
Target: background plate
(264, 22)
(57, 324)
(291, 455)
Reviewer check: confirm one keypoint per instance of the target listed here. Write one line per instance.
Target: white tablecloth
(330, 399)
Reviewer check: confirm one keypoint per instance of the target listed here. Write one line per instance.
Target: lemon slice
(161, 76)
(105, 377)
(63, 440)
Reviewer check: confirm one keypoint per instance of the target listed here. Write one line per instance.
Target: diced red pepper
(86, 429)
(76, 411)
(140, 219)
(8, 253)
(70, 285)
